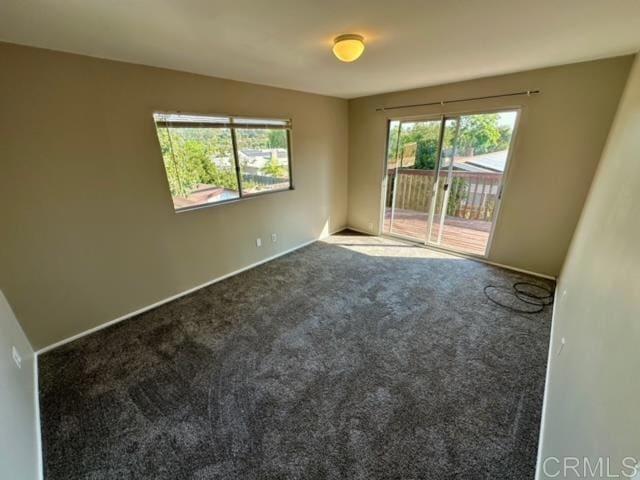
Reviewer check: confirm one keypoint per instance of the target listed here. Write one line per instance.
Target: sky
(507, 119)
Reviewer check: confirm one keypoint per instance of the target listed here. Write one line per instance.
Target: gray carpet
(353, 358)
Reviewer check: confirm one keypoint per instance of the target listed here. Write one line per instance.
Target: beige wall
(19, 446)
(559, 142)
(593, 385)
(88, 228)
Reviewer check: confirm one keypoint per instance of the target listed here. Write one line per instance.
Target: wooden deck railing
(472, 195)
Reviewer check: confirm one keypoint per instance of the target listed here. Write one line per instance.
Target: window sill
(231, 200)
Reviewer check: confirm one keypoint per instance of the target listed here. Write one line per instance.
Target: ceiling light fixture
(349, 47)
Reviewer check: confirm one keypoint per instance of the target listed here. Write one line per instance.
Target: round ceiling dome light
(349, 47)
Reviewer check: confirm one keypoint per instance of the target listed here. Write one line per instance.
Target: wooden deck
(459, 234)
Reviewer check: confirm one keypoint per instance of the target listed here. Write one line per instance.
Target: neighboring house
(204, 193)
(482, 188)
(252, 161)
(222, 162)
(493, 162)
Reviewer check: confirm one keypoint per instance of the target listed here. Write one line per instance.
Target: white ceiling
(287, 43)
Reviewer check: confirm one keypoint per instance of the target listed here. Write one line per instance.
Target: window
(214, 159)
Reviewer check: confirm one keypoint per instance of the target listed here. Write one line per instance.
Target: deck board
(459, 234)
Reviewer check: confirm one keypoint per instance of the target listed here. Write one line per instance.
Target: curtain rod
(528, 93)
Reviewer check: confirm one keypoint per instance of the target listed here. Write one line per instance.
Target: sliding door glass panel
(472, 166)
(411, 181)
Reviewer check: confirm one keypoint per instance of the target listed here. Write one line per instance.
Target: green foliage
(425, 135)
(426, 154)
(478, 134)
(188, 154)
(481, 134)
(277, 139)
(457, 195)
(261, 138)
(273, 168)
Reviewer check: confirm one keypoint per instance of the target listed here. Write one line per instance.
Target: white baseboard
(516, 269)
(248, 267)
(545, 397)
(495, 264)
(469, 257)
(36, 401)
(178, 295)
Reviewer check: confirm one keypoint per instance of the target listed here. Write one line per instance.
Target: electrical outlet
(16, 357)
(258, 242)
(274, 237)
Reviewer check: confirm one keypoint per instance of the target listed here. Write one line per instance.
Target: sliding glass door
(444, 179)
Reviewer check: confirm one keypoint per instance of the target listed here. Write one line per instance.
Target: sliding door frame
(436, 183)
(447, 192)
(443, 117)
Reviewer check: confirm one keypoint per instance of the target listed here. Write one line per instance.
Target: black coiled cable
(527, 293)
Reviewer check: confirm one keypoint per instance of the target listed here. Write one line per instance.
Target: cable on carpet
(530, 297)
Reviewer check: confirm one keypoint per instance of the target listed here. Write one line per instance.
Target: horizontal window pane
(199, 164)
(264, 159)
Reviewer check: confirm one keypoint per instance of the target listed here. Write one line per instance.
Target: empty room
(319, 240)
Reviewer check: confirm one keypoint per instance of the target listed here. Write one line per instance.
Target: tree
(277, 139)
(482, 134)
(273, 168)
(188, 155)
(477, 134)
(425, 135)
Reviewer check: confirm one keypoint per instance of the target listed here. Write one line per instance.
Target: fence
(472, 195)
(262, 179)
